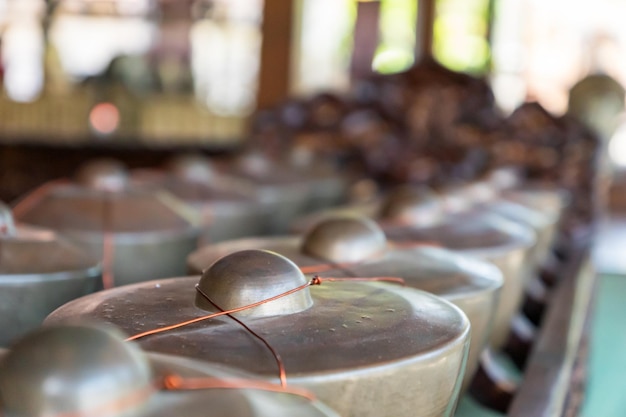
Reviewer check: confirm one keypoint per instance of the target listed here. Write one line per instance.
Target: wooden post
(366, 38)
(276, 52)
(425, 29)
(491, 13)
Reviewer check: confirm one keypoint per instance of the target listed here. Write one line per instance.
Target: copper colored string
(175, 383)
(221, 313)
(27, 203)
(108, 244)
(315, 281)
(282, 374)
(318, 280)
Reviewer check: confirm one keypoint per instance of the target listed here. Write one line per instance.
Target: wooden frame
(551, 378)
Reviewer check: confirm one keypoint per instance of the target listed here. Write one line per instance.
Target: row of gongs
(362, 347)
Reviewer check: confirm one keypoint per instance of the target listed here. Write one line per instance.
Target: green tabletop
(606, 381)
(470, 408)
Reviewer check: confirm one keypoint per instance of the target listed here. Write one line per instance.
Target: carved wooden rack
(553, 380)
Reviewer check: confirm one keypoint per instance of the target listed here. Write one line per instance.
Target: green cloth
(470, 408)
(606, 380)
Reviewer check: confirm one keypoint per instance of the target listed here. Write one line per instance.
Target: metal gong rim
(212, 402)
(435, 270)
(190, 191)
(399, 323)
(34, 256)
(470, 232)
(134, 213)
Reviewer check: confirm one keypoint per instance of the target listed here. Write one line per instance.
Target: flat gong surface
(434, 270)
(192, 191)
(288, 246)
(351, 325)
(198, 192)
(31, 251)
(521, 214)
(75, 209)
(550, 201)
(267, 173)
(216, 402)
(466, 231)
(221, 402)
(437, 271)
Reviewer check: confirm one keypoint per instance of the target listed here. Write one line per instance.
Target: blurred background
(142, 80)
(152, 75)
(165, 72)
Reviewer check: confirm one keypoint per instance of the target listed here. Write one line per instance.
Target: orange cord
(315, 281)
(27, 203)
(282, 374)
(318, 280)
(175, 382)
(108, 244)
(221, 313)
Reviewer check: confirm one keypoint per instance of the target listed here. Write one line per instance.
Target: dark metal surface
(488, 237)
(355, 246)
(152, 231)
(410, 216)
(472, 285)
(103, 175)
(87, 371)
(39, 271)
(287, 190)
(344, 239)
(417, 206)
(225, 211)
(364, 348)
(544, 224)
(551, 202)
(282, 191)
(251, 276)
